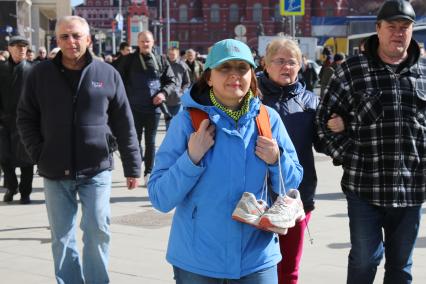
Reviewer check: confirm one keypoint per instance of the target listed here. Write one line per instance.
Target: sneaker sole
(252, 221)
(265, 222)
(279, 231)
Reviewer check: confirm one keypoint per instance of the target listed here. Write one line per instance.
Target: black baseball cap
(396, 9)
(18, 39)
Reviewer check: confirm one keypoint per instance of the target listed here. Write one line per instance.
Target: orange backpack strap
(197, 116)
(263, 123)
(262, 120)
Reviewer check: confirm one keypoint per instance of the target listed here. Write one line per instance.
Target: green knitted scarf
(234, 114)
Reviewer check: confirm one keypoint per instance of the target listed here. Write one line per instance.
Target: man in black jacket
(149, 79)
(13, 73)
(73, 112)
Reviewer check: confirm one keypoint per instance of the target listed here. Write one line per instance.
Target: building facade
(32, 19)
(199, 23)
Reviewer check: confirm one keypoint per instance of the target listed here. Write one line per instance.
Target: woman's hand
(267, 149)
(335, 123)
(201, 141)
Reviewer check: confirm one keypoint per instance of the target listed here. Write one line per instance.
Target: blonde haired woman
(283, 91)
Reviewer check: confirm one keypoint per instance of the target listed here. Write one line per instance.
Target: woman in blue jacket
(296, 105)
(204, 173)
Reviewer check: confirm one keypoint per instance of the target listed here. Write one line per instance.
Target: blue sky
(76, 2)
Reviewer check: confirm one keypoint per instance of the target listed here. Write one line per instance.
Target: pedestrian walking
(13, 74)
(148, 79)
(328, 71)
(380, 94)
(308, 73)
(196, 68)
(204, 173)
(296, 106)
(73, 114)
(180, 69)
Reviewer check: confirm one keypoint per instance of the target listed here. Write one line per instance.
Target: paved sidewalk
(139, 237)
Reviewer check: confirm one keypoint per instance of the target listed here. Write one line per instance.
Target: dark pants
(173, 110)
(381, 230)
(147, 124)
(11, 180)
(264, 276)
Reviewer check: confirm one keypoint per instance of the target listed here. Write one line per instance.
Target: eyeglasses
(75, 36)
(281, 62)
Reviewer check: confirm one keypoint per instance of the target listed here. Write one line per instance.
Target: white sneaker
(249, 209)
(146, 179)
(284, 213)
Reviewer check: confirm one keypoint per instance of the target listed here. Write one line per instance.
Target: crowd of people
(69, 112)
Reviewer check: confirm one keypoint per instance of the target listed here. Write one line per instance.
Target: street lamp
(100, 36)
(158, 25)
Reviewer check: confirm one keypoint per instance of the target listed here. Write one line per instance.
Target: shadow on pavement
(129, 199)
(330, 196)
(339, 215)
(41, 240)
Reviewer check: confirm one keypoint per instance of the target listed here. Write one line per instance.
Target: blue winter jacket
(297, 108)
(204, 239)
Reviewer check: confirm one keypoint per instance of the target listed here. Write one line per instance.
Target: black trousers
(147, 124)
(11, 180)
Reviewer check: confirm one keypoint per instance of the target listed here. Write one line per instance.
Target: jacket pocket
(370, 107)
(111, 143)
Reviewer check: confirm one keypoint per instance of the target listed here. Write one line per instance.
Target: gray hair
(68, 19)
(190, 51)
(286, 44)
(146, 33)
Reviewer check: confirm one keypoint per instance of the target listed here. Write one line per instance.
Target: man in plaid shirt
(380, 95)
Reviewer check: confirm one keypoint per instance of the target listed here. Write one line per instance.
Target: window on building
(215, 13)
(183, 35)
(183, 13)
(329, 11)
(233, 13)
(257, 12)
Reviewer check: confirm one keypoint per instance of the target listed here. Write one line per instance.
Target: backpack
(262, 120)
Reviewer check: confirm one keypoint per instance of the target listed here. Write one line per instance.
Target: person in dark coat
(13, 74)
(149, 80)
(329, 70)
(309, 75)
(282, 90)
(73, 115)
(183, 81)
(196, 68)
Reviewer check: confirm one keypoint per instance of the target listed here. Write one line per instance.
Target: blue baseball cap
(228, 49)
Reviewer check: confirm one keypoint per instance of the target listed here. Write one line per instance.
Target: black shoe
(8, 196)
(25, 200)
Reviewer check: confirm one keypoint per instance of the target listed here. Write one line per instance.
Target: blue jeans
(265, 276)
(376, 230)
(61, 202)
(173, 110)
(147, 124)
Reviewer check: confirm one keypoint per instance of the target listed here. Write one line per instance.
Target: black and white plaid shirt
(383, 147)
